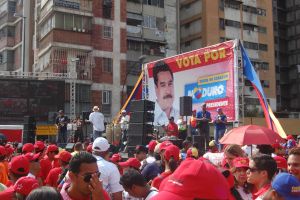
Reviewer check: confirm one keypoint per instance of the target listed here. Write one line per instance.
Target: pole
(23, 44)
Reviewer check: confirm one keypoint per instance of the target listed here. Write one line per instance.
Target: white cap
(100, 144)
(123, 111)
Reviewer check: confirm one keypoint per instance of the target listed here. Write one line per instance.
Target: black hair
(78, 146)
(140, 149)
(265, 162)
(78, 159)
(173, 164)
(160, 66)
(132, 177)
(44, 193)
(265, 149)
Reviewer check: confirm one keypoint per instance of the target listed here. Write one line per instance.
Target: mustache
(168, 96)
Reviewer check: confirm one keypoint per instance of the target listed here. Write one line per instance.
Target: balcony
(72, 6)
(134, 7)
(7, 42)
(134, 31)
(153, 34)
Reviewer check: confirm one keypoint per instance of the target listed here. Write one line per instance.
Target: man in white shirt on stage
(164, 90)
(97, 119)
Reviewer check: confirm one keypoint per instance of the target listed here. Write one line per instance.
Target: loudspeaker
(69, 147)
(137, 134)
(141, 117)
(139, 129)
(186, 106)
(85, 115)
(141, 105)
(29, 127)
(199, 142)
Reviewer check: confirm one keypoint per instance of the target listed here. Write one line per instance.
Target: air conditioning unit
(83, 30)
(79, 30)
(74, 28)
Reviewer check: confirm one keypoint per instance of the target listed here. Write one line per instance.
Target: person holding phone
(84, 176)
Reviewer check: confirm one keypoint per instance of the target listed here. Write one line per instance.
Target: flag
(249, 72)
(136, 94)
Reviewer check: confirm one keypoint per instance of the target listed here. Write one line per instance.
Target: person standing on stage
(193, 123)
(124, 124)
(97, 119)
(204, 118)
(61, 122)
(172, 128)
(220, 127)
(164, 90)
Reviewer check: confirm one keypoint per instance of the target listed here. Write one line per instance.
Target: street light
(23, 39)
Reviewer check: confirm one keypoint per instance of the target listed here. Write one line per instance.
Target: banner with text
(206, 74)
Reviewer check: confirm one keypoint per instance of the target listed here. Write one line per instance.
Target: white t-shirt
(97, 119)
(152, 193)
(124, 122)
(110, 175)
(243, 194)
(214, 158)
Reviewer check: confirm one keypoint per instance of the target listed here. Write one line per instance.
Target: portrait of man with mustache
(164, 90)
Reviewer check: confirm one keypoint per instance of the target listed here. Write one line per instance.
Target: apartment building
(287, 54)
(90, 37)
(16, 22)
(152, 34)
(206, 22)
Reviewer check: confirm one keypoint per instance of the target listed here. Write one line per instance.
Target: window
(107, 6)
(134, 45)
(265, 83)
(149, 21)
(1, 58)
(12, 6)
(187, 43)
(107, 65)
(222, 24)
(232, 23)
(78, 22)
(68, 22)
(263, 47)
(107, 31)
(250, 45)
(106, 97)
(157, 3)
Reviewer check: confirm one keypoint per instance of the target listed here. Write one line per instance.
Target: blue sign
(206, 92)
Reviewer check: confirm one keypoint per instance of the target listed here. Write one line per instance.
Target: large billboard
(207, 75)
(20, 97)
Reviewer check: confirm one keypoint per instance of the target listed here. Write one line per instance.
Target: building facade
(287, 53)
(13, 14)
(90, 37)
(152, 34)
(204, 22)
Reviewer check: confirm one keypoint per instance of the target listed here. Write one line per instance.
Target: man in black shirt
(61, 122)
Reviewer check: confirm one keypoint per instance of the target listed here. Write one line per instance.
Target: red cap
(2, 151)
(25, 185)
(290, 137)
(116, 158)
(152, 144)
(39, 146)
(194, 179)
(172, 151)
(164, 144)
(241, 162)
(9, 149)
(32, 157)
(89, 148)
(52, 148)
(64, 156)
(19, 165)
(27, 148)
(281, 162)
(131, 162)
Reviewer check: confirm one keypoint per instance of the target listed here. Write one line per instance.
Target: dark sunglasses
(87, 177)
(253, 169)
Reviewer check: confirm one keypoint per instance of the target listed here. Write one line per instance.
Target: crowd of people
(156, 171)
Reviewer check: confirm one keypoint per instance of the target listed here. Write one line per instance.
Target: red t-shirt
(193, 122)
(261, 191)
(53, 176)
(172, 129)
(45, 167)
(157, 180)
(55, 163)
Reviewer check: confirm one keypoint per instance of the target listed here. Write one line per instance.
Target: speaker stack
(141, 122)
(29, 129)
(185, 106)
